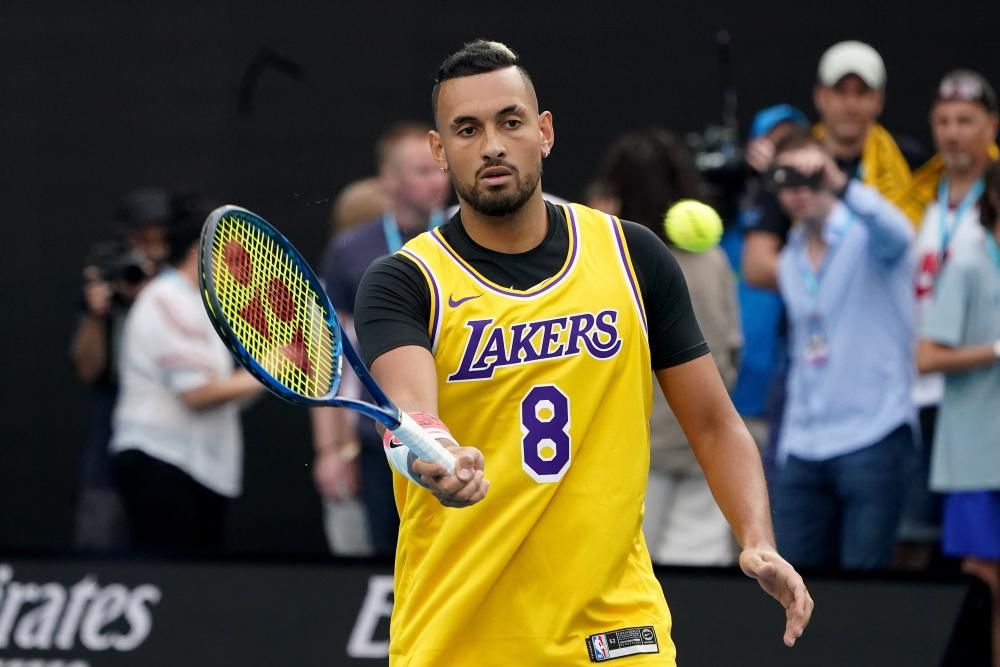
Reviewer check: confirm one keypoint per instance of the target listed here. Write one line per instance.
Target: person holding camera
(846, 279)
(849, 96)
(114, 273)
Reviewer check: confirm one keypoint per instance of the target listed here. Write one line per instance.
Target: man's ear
(546, 129)
(437, 150)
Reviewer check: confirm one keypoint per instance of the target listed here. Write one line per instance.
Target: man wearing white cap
(849, 96)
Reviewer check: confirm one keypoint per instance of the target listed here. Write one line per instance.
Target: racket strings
(272, 309)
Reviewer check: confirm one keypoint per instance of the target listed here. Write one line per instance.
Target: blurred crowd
(852, 308)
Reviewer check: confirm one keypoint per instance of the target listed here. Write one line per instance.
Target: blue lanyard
(970, 198)
(991, 245)
(393, 239)
(812, 279)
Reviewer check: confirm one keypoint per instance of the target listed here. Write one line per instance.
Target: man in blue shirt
(846, 280)
(349, 455)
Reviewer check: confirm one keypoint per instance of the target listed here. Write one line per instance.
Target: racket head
(269, 307)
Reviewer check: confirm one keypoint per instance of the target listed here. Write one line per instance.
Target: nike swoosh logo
(455, 303)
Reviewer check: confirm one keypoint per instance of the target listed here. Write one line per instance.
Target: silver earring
(547, 151)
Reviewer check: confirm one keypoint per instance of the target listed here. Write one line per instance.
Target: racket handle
(413, 435)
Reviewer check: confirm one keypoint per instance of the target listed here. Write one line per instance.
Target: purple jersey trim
(567, 268)
(616, 230)
(436, 320)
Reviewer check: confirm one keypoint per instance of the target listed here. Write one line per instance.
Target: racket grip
(413, 435)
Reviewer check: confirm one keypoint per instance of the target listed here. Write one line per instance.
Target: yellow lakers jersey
(553, 385)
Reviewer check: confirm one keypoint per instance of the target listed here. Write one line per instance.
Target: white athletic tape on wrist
(401, 457)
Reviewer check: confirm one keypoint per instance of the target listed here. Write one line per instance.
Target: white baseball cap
(852, 57)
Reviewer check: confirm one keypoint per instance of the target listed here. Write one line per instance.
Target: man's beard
(847, 132)
(958, 161)
(499, 204)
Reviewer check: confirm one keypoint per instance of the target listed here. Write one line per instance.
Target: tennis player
(525, 331)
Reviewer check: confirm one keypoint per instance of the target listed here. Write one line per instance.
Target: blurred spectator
(113, 275)
(177, 443)
(964, 124)
(849, 96)
(769, 126)
(643, 175)
(957, 86)
(845, 277)
(349, 454)
(960, 337)
(141, 217)
(358, 201)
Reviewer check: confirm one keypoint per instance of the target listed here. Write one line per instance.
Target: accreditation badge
(817, 346)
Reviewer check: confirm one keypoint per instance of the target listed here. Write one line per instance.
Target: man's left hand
(780, 580)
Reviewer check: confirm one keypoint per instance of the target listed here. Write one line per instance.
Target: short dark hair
(796, 139)
(649, 170)
(988, 213)
(142, 207)
(188, 213)
(394, 134)
(476, 57)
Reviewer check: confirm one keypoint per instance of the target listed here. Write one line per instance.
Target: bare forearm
(723, 446)
(933, 357)
(732, 466)
(237, 387)
(760, 260)
(331, 430)
(409, 377)
(89, 349)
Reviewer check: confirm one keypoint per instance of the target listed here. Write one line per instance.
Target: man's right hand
(465, 487)
(96, 292)
(760, 154)
(336, 477)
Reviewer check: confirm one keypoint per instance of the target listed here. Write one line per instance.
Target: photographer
(845, 277)
(114, 273)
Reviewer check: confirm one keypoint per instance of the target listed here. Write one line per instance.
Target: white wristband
(411, 440)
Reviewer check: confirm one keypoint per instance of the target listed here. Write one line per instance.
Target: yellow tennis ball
(693, 226)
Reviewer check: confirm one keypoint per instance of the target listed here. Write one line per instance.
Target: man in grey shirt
(961, 338)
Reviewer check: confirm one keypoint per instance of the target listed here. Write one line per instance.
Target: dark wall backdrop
(97, 99)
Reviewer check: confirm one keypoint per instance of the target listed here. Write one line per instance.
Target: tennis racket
(270, 309)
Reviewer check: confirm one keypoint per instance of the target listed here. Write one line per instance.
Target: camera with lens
(116, 263)
(782, 176)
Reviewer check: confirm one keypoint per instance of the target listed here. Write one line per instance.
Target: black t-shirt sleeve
(674, 334)
(392, 308)
(394, 302)
(766, 215)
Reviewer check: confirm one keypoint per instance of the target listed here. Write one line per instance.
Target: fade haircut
(477, 57)
(395, 134)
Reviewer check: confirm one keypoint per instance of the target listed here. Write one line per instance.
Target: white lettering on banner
(30, 616)
(35, 629)
(377, 605)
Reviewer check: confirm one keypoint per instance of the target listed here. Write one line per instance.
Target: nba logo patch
(620, 643)
(600, 643)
